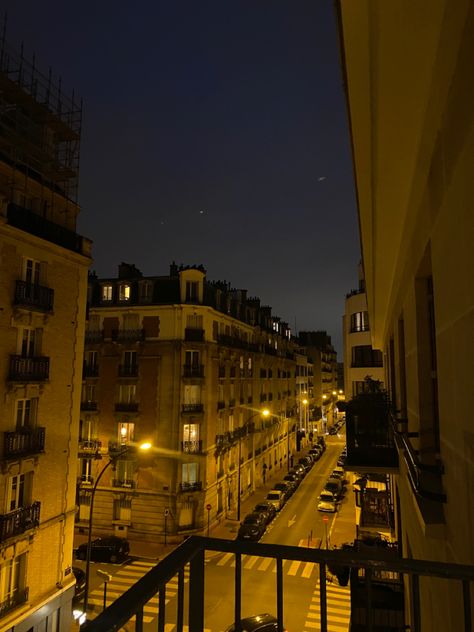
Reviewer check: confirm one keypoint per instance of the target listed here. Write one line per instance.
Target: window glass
(107, 292)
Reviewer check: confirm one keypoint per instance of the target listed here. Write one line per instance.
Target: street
(298, 524)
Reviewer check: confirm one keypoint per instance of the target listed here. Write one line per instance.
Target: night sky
(214, 133)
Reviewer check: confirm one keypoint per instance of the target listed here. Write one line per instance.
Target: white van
(276, 498)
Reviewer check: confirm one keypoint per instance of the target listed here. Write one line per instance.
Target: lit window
(124, 292)
(125, 432)
(107, 292)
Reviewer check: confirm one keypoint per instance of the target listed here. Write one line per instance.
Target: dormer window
(107, 291)
(192, 288)
(145, 292)
(124, 292)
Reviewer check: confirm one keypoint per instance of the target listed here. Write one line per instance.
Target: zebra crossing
(338, 600)
(125, 578)
(292, 568)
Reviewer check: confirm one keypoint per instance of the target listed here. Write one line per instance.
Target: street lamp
(113, 458)
(264, 413)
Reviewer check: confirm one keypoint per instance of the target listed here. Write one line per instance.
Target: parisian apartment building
(43, 290)
(361, 360)
(190, 366)
(412, 126)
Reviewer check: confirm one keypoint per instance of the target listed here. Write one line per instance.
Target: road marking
(292, 521)
(265, 563)
(225, 559)
(250, 562)
(294, 568)
(308, 569)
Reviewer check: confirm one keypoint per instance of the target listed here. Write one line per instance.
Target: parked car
(333, 430)
(258, 623)
(285, 488)
(341, 461)
(267, 510)
(110, 549)
(322, 442)
(334, 485)
(252, 527)
(340, 474)
(298, 470)
(306, 462)
(80, 583)
(316, 453)
(276, 498)
(292, 479)
(327, 501)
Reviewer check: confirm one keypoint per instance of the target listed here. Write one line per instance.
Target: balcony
(89, 446)
(190, 487)
(23, 442)
(370, 441)
(89, 406)
(90, 370)
(220, 405)
(128, 335)
(191, 447)
(35, 224)
(366, 364)
(375, 599)
(13, 601)
(94, 336)
(193, 370)
(125, 482)
(85, 479)
(126, 407)
(18, 521)
(128, 370)
(33, 296)
(192, 408)
(29, 369)
(194, 335)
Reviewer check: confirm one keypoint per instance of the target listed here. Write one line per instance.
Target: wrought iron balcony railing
(190, 487)
(128, 335)
(23, 442)
(18, 521)
(89, 445)
(89, 406)
(94, 336)
(193, 370)
(194, 335)
(126, 407)
(19, 597)
(124, 482)
(34, 296)
(128, 370)
(29, 369)
(367, 569)
(192, 408)
(192, 447)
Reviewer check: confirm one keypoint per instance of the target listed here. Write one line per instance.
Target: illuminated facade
(43, 290)
(188, 365)
(408, 73)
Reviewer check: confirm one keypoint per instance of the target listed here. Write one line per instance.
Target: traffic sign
(208, 506)
(325, 519)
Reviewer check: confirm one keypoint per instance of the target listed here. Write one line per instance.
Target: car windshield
(273, 496)
(261, 508)
(251, 520)
(326, 497)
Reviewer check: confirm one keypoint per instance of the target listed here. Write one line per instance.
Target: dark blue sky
(233, 108)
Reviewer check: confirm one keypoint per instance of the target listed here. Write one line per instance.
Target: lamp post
(112, 461)
(264, 413)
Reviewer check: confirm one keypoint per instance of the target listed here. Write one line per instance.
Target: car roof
(273, 492)
(254, 623)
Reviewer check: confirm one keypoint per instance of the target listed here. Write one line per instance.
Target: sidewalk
(342, 530)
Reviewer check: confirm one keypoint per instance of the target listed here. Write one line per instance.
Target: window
(107, 292)
(365, 356)
(189, 473)
(86, 470)
(123, 509)
(126, 432)
(191, 432)
(91, 358)
(359, 321)
(231, 423)
(127, 393)
(25, 412)
(31, 271)
(12, 579)
(146, 292)
(86, 427)
(19, 488)
(130, 358)
(192, 358)
(88, 393)
(194, 321)
(124, 292)
(192, 394)
(125, 472)
(28, 339)
(215, 330)
(192, 288)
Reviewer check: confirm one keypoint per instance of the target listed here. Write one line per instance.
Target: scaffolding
(40, 126)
